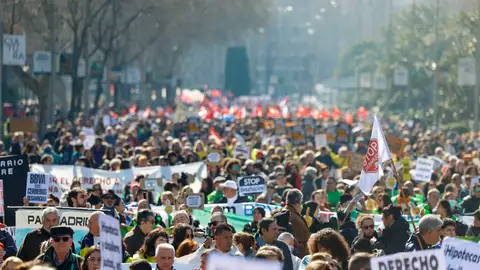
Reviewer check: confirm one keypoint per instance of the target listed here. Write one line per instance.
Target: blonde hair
(14, 260)
(361, 218)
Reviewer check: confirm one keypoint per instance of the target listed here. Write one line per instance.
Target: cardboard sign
(461, 254)
(193, 126)
(110, 242)
(396, 145)
(320, 140)
(151, 183)
(423, 170)
(25, 124)
(309, 127)
(299, 136)
(2, 203)
(355, 161)
(343, 131)
(214, 157)
(195, 201)
(37, 187)
(268, 124)
(241, 151)
(280, 127)
(251, 185)
(425, 259)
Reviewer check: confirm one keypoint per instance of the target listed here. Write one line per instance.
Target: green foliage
(417, 41)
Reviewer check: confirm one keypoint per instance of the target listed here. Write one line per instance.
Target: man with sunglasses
(59, 254)
(109, 199)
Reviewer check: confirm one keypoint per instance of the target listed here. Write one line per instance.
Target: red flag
(113, 114)
(257, 111)
(132, 109)
(324, 114)
(336, 113)
(160, 112)
(273, 112)
(215, 136)
(348, 118)
(147, 113)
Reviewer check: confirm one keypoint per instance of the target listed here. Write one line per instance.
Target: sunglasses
(368, 227)
(61, 239)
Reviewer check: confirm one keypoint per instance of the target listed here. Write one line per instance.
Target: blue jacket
(7, 240)
(414, 245)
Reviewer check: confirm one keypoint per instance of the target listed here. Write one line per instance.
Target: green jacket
(214, 196)
(72, 262)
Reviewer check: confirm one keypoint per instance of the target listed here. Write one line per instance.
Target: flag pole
(397, 176)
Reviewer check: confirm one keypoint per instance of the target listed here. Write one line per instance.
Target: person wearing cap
(474, 229)
(217, 194)
(30, 247)
(59, 254)
(270, 196)
(109, 200)
(230, 194)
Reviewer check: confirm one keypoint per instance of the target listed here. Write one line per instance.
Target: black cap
(110, 192)
(345, 198)
(60, 231)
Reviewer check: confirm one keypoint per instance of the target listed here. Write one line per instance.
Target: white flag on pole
(377, 153)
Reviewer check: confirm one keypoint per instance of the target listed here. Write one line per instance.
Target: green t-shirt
(214, 196)
(334, 197)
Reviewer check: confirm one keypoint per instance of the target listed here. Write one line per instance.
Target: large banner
(64, 175)
(28, 220)
(425, 259)
(461, 254)
(243, 209)
(13, 172)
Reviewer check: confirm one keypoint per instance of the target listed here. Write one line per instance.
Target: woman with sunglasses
(180, 233)
(366, 229)
(147, 251)
(92, 259)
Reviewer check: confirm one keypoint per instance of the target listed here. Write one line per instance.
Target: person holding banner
(429, 230)
(30, 247)
(59, 254)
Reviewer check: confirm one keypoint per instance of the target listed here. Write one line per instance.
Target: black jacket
(349, 232)
(251, 227)
(239, 200)
(469, 204)
(393, 239)
(414, 245)
(72, 262)
(7, 240)
(318, 225)
(30, 247)
(287, 263)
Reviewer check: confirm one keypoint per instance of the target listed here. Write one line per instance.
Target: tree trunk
(97, 95)
(43, 104)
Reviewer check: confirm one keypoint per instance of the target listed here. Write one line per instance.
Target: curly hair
(148, 247)
(330, 241)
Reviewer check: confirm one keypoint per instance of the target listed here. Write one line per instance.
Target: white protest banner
(251, 185)
(244, 209)
(217, 261)
(14, 50)
(2, 203)
(195, 201)
(325, 216)
(37, 187)
(320, 140)
(110, 242)
(27, 220)
(241, 150)
(423, 170)
(461, 254)
(214, 157)
(63, 176)
(432, 259)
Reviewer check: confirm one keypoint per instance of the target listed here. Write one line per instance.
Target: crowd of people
(320, 221)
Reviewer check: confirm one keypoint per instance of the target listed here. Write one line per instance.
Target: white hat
(229, 184)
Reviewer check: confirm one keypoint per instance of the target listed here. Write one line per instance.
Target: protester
(474, 229)
(180, 233)
(428, 234)
(77, 197)
(92, 259)
(310, 213)
(270, 196)
(140, 265)
(230, 195)
(59, 254)
(289, 240)
(147, 250)
(268, 234)
(134, 239)
(301, 230)
(252, 227)
(30, 247)
(245, 244)
(93, 232)
(330, 241)
(165, 256)
(11, 263)
(360, 261)
(109, 200)
(366, 230)
(187, 246)
(397, 230)
(270, 253)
